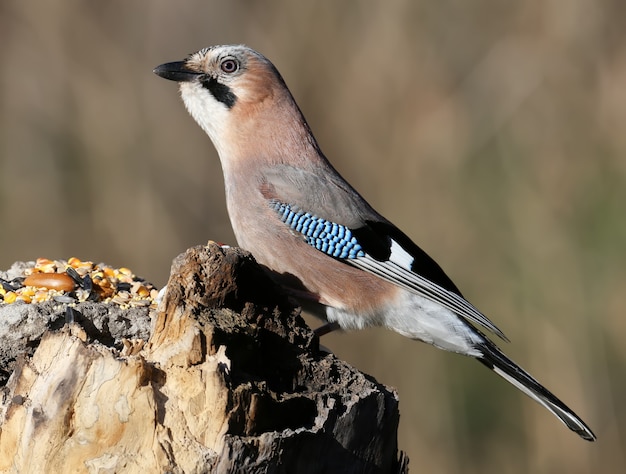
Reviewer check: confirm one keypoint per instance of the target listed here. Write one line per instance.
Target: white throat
(212, 116)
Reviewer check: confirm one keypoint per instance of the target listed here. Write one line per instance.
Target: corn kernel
(44, 265)
(104, 283)
(139, 289)
(10, 297)
(41, 296)
(125, 271)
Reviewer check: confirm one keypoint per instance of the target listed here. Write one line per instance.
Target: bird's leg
(326, 328)
(310, 302)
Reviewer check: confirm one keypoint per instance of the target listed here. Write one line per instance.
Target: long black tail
(509, 370)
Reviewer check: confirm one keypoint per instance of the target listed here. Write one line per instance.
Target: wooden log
(230, 380)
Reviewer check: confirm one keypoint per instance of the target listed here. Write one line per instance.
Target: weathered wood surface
(230, 380)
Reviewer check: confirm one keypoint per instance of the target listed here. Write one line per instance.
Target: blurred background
(493, 133)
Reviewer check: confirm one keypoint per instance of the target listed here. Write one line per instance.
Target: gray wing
(335, 219)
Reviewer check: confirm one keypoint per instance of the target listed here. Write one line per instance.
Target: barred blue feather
(329, 237)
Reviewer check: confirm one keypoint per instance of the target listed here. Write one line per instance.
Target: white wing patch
(400, 256)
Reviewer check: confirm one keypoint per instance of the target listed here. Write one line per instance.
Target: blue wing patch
(333, 239)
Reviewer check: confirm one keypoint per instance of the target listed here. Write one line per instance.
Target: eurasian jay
(314, 233)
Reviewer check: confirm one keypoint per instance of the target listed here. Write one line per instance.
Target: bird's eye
(229, 66)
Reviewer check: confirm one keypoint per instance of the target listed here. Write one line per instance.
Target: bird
(314, 233)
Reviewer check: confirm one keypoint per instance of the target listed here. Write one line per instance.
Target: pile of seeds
(75, 281)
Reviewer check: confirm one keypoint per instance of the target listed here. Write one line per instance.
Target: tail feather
(493, 358)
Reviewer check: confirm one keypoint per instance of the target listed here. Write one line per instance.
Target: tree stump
(230, 380)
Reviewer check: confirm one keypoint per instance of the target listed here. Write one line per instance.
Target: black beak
(176, 71)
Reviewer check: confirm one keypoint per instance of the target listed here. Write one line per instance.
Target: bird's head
(230, 89)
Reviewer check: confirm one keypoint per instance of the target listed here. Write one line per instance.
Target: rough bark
(230, 380)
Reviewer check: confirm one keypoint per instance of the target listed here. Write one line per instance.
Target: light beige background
(493, 133)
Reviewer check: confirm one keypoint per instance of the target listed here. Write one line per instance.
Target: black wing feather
(376, 238)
